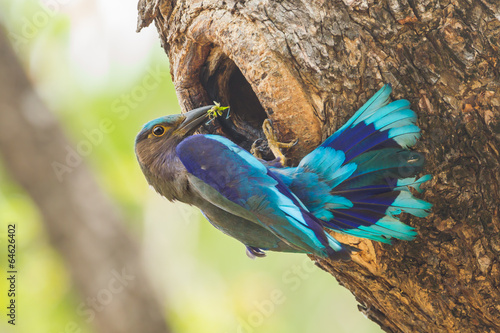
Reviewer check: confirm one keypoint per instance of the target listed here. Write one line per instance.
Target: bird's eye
(158, 130)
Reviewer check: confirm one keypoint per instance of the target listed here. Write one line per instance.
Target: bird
(357, 182)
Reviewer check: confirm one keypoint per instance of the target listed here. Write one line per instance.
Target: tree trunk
(308, 66)
(83, 225)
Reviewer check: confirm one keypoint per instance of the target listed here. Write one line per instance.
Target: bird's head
(156, 142)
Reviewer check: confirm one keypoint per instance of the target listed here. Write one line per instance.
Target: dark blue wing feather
(243, 180)
(358, 180)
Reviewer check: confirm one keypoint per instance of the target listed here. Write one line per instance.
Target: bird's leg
(273, 142)
(255, 151)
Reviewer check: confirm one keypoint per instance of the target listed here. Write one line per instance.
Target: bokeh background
(86, 60)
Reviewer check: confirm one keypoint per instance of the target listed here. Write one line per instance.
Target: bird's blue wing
(358, 180)
(232, 179)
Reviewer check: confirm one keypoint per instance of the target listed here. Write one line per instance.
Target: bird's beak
(193, 119)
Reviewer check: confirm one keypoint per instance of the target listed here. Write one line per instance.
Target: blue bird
(356, 182)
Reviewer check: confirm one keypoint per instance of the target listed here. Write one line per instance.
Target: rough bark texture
(81, 222)
(310, 65)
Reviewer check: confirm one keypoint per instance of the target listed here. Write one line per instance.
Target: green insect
(216, 110)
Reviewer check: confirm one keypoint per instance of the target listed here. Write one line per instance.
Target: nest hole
(224, 83)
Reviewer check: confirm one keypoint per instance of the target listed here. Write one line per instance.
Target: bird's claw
(255, 151)
(255, 252)
(273, 142)
(286, 145)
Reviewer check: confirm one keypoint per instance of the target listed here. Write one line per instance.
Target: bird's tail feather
(369, 170)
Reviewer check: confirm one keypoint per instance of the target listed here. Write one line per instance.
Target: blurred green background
(88, 64)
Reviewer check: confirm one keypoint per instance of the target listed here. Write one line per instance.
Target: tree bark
(308, 66)
(82, 223)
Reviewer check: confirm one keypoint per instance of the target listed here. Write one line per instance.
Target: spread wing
(232, 179)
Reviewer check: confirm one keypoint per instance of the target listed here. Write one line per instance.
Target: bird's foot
(273, 142)
(256, 150)
(254, 252)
